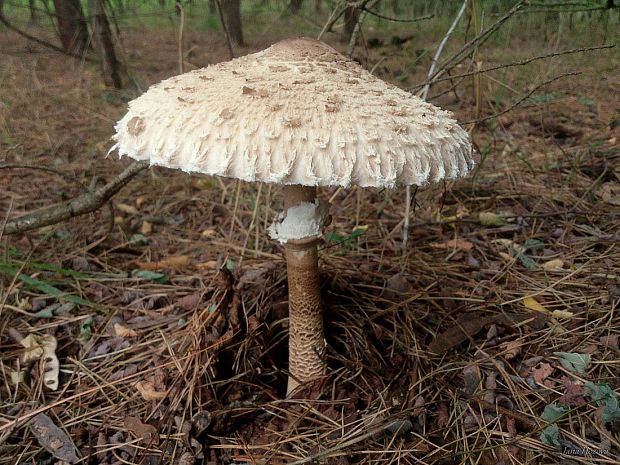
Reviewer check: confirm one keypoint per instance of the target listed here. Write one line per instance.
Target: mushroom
(301, 115)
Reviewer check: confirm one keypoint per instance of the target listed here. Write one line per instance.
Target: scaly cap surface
(296, 113)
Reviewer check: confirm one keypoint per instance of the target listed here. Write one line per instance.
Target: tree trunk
(34, 19)
(232, 14)
(295, 5)
(71, 26)
(102, 37)
(351, 17)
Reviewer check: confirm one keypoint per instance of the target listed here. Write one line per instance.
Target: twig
(42, 42)
(522, 99)
(19, 166)
(225, 27)
(427, 87)
(85, 203)
(396, 20)
(515, 63)
(476, 41)
(333, 17)
(358, 25)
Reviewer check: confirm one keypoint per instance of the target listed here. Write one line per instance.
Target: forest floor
(493, 338)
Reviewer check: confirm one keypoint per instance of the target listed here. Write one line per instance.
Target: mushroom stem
(306, 339)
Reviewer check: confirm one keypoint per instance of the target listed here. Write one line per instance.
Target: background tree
(102, 37)
(33, 12)
(351, 17)
(295, 5)
(72, 26)
(232, 14)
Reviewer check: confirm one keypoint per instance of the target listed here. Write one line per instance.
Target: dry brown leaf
(443, 415)
(542, 372)
(53, 439)
(471, 378)
(555, 264)
(148, 392)
(140, 200)
(512, 349)
(147, 433)
(147, 227)
(208, 233)
(128, 209)
(610, 193)
(454, 244)
(189, 302)
(124, 331)
(610, 341)
(210, 265)
(176, 261)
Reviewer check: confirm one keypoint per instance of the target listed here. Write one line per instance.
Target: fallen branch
(85, 203)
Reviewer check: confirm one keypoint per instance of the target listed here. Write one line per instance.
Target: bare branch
(522, 99)
(515, 63)
(85, 203)
(333, 17)
(396, 20)
(42, 42)
(459, 56)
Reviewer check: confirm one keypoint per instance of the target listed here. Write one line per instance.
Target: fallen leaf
(610, 193)
(148, 391)
(124, 331)
(555, 264)
(189, 302)
(542, 372)
(147, 227)
(550, 435)
(53, 439)
(471, 378)
(147, 433)
(140, 200)
(210, 265)
(175, 261)
(443, 415)
(454, 244)
(574, 393)
(129, 370)
(208, 233)
(574, 362)
(490, 219)
(606, 399)
(610, 341)
(128, 209)
(532, 304)
(511, 349)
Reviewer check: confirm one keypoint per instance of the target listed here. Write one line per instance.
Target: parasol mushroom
(301, 115)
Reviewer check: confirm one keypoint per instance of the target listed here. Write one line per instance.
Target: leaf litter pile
(155, 331)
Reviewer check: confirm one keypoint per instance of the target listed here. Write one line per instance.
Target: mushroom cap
(298, 112)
